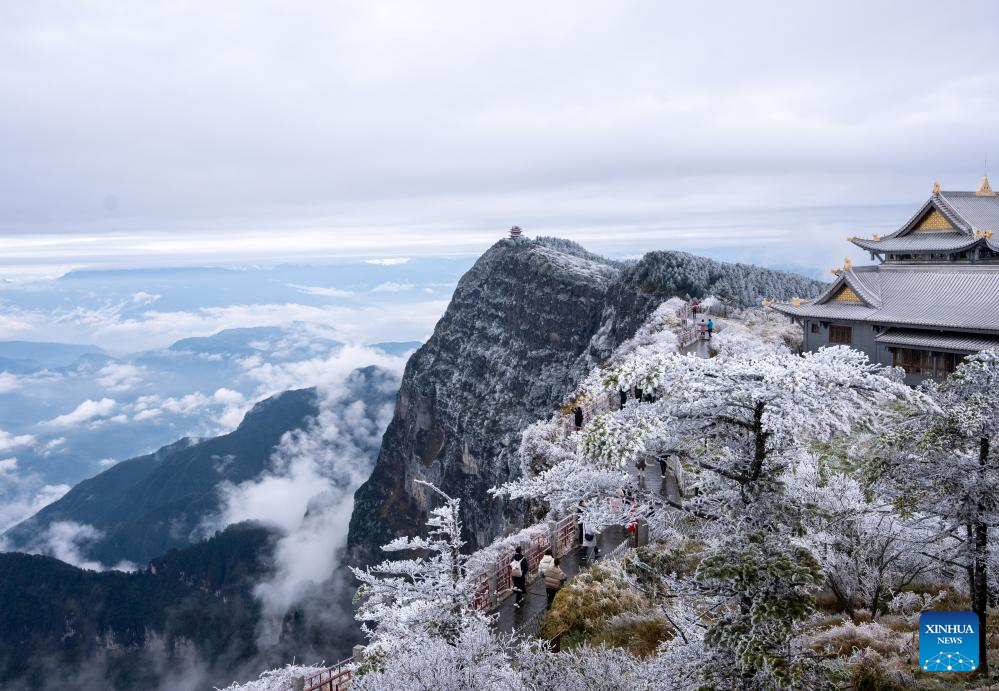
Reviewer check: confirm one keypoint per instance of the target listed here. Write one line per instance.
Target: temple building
(932, 299)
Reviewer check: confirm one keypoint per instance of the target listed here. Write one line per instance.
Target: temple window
(913, 361)
(840, 335)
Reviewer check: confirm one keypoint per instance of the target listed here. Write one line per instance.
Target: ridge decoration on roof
(849, 289)
(949, 221)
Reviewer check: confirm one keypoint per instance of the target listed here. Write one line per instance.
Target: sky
(227, 133)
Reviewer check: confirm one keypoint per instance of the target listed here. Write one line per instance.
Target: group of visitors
(553, 576)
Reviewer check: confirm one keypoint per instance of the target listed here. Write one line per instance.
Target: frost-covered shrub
(870, 671)
(639, 633)
(847, 637)
(585, 603)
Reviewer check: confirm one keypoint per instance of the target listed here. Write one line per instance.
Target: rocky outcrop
(526, 323)
(507, 349)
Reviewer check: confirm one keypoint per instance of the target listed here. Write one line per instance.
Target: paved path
(535, 600)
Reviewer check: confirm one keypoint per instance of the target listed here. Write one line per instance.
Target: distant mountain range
(147, 505)
(22, 357)
(188, 614)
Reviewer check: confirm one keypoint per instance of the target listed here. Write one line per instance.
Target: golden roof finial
(796, 301)
(849, 238)
(847, 264)
(936, 187)
(984, 189)
(835, 272)
(988, 234)
(876, 237)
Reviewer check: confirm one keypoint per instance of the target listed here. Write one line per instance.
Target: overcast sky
(226, 132)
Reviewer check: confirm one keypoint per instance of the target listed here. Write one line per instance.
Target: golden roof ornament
(835, 272)
(936, 187)
(876, 237)
(984, 189)
(796, 301)
(849, 238)
(987, 234)
(847, 264)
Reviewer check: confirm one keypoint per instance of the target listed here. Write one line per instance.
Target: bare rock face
(526, 323)
(506, 352)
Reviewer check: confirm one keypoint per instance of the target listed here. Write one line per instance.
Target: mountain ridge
(526, 322)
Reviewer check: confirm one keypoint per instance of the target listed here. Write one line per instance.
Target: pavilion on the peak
(932, 297)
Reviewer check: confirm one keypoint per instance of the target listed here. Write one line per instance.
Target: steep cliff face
(526, 323)
(507, 350)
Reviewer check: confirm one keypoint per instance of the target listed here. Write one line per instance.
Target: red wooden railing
(481, 597)
(535, 550)
(336, 678)
(565, 535)
(504, 579)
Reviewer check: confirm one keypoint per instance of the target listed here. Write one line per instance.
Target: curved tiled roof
(943, 295)
(936, 340)
(979, 212)
(922, 242)
(968, 212)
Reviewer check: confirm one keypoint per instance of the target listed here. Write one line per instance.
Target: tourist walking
(589, 544)
(518, 573)
(624, 396)
(711, 327)
(554, 578)
(663, 465)
(704, 327)
(547, 561)
(577, 415)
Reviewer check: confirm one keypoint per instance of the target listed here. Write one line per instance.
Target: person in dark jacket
(519, 563)
(577, 414)
(624, 397)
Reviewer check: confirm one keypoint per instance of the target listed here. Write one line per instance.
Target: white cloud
(147, 414)
(392, 287)
(117, 376)
(144, 298)
(22, 494)
(388, 261)
(107, 462)
(9, 382)
(10, 441)
(328, 373)
(66, 541)
(232, 403)
(308, 492)
(319, 290)
(86, 411)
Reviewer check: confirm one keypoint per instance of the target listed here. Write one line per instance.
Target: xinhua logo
(948, 641)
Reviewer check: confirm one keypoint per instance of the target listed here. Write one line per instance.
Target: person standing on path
(589, 544)
(577, 415)
(711, 327)
(546, 562)
(554, 578)
(704, 327)
(518, 573)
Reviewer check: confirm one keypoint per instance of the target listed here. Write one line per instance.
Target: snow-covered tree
(424, 596)
(867, 551)
(740, 425)
(940, 461)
